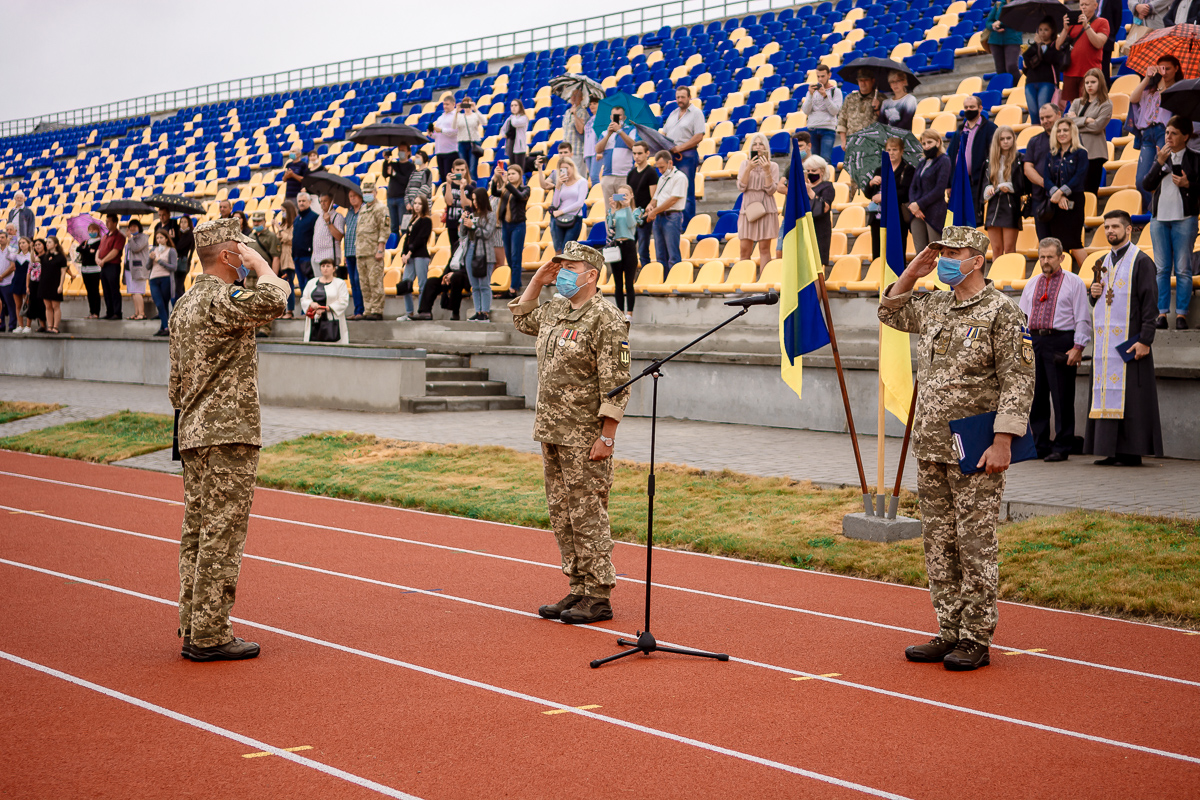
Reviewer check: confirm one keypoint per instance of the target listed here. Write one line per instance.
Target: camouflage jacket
(582, 354)
(374, 227)
(974, 356)
(214, 361)
(858, 111)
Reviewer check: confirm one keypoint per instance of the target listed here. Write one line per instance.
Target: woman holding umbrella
(1004, 42)
(1043, 63)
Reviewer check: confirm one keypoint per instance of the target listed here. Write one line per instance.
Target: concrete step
(454, 373)
(122, 328)
(484, 388)
(444, 361)
(427, 404)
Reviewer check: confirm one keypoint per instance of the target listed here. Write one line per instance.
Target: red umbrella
(1181, 41)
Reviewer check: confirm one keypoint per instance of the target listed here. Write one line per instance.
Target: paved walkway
(1162, 487)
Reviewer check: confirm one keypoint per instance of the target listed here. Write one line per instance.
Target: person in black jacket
(820, 197)
(1175, 181)
(414, 254)
(894, 151)
(509, 186)
(927, 192)
(1066, 179)
(978, 131)
(1043, 66)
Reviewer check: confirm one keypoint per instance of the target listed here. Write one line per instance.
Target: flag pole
(912, 411)
(880, 497)
(837, 363)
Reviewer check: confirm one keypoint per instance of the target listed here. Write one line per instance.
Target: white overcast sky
(65, 54)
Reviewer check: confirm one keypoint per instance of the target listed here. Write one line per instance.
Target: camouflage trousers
(370, 280)
(958, 523)
(577, 494)
(218, 486)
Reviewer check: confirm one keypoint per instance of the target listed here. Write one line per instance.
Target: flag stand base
(880, 529)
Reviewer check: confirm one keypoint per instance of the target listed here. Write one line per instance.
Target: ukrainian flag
(961, 207)
(802, 327)
(895, 357)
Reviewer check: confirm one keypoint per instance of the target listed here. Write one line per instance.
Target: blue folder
(1123, 349)
(974, 435)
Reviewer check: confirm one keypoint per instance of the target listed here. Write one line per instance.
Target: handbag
(612, 254)
(566, 220)
(478, 260)
(755, 211)
(1065, 50)
(326, 328)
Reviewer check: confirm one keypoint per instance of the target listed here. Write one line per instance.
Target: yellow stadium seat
(1007, 269)
(1087, 271)
(732, 252)
(732, 165)
(501, 279)
(700, 225)
(870, 283)
(1125, 84)
(771, 278)
(853, 220)
(944, 123)
(928, 107)
(1027, 241)
(1012, 116)
(742, 272)
(709, 274)
(705, 250)
(845, 270)
(713, 165)
(1125, 178)
(650, 275)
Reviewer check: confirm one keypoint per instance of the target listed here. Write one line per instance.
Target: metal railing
(592, 29)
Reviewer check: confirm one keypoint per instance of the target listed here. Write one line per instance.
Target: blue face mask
(567, 283)
(949, 271)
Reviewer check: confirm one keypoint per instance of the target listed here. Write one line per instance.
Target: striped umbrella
(1181, 41)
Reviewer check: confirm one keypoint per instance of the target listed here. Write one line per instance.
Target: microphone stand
(645, 642)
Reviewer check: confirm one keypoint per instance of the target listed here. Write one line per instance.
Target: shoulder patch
(623, 353)
(1026, 347)
(241, 294)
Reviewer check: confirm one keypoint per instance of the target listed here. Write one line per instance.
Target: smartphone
(616, 118)
(1176, 169)
(620, 198)
(502, 164)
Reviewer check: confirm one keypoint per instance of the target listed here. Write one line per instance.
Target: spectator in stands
(803, 146)
(479, 225)
(927, 192)
(453, 188)
(163, 260)
(243, 221)
(22, 216)
(8, 312)
(414, 254)
(1175, 182)
(1004, 43)
(1182, 13)
(469, 124)
(112, 245)
(294, 172)
(820, 197)
(1060, 324)
(54, 278)
(643, 179)
(514, 131)
(591, 161)
(328, 232)
(664, 211)
(90, 269)
(348, 242)
(859, 109)
(570, 192)
(622, 221)
(397, 171)
(1087, 40)
(314, 162)
(894, 149)
(185, 245)
(685, 127)
(821, 107)
(325, 295)
(615, 149)
(445, 137)
(978, 133)
(1113, 12)
(285, 230)
(1066, 174)
(22, 260)
(1091, 112)
(1037, 154)
(758, 219)
(574, 127)
(1003, 192)
(225, 209)
(419, 183)
(450, 287)
(508, 186)
(899, 110)
(1149, 118)
(33, 286)
(1043, 63)
(1146, 17)
(165, 223)
(137, 267)
(303, 230)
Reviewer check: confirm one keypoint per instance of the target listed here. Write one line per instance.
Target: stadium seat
(649, 275)
(870, 282)
(740, 273)
(847, 269)
(710, 274)
(680, 275)
(771, 278)
(1007, 269)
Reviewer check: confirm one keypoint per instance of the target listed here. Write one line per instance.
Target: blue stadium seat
(747, 127)
(781, 143)
(729, 144)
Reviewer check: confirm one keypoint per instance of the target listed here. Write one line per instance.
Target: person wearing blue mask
(582, 354)
(975, 356)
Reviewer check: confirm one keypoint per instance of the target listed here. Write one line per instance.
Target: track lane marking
(558, 567)
(429, 671)
(609, 631)
(210, 728)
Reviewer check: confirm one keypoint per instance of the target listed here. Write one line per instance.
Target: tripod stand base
(645, 644)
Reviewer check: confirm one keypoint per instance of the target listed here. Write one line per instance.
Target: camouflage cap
(574, 251)
(955, 236)
(258, 215)
(367, 184)
(219, 231)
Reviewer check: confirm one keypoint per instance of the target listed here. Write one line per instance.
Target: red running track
(411, 664)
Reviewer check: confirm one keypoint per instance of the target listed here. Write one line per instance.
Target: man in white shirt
(664, 211)
(821, 106)
(328, 233)
(445, 138)
(590, 162)
(1060, 324)
(615, 152)
(685, 127)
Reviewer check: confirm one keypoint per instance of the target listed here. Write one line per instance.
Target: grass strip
(11, 411)
(103, 440)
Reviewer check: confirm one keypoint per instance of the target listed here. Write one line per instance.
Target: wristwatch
(607, 441)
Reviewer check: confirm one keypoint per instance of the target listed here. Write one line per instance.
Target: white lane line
(487, 687)
(609, 631)
(687, 590)
(210, 728)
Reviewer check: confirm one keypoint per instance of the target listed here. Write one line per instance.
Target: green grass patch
(11, 411)
(104, 440)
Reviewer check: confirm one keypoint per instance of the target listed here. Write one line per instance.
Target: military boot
(589, 609)
(936, 650)
(553, 612)
(967, 656)
(236, 650)
(186, 652)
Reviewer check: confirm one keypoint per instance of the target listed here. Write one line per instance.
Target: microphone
(768, 299)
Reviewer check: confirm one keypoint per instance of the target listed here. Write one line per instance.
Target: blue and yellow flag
(802, 327)
(961, 207)
(895, 357)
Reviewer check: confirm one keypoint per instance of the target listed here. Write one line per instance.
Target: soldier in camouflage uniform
(374, 228)
(214, 385)
(974, 356)
(266, 244)
(859, 109)
(582, 353)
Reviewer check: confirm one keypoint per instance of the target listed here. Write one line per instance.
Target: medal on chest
(974, 333)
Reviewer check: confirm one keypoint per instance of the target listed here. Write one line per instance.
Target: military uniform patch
(624, 353)
(240, 294)
(1026, 347)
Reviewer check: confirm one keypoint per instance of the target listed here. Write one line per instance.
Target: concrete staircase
(452, 384)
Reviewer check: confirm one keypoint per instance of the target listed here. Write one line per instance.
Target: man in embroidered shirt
(1060, 323)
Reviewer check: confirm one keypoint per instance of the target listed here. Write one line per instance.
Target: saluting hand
(547, 273)
(924, 263)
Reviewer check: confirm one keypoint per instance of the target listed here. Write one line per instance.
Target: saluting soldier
(266, 244)
(974, 356)
(214, 385)
(582, 354)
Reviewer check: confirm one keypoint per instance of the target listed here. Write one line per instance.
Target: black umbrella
(1183, 98)
(1026, 15)
(879, 67)
(174, 202)
(387, 135)
(119, 207)
(335, 185)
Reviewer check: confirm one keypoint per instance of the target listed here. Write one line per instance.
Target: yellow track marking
(286, 749)
(814, 677)
(567, 710)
